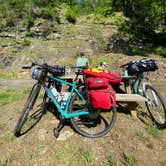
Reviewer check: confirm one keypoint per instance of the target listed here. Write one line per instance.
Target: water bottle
(125, 72)
(64, 100)
(69, 71)
(56, 94)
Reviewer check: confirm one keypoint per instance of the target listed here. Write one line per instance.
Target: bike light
(35, 74)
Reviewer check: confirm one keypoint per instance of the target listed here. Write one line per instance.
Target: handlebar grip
(26, 67)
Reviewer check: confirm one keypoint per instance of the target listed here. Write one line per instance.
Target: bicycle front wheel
(31, 112)
(96, 124)
(156, 106)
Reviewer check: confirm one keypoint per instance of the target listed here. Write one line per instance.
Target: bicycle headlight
(36, 73)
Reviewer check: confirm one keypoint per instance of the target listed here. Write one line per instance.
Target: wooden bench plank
(130, 97)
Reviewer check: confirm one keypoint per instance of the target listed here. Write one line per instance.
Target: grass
(152, 130)
(7, 137)
(8, 74)
(70, 155)
(130, 160)
(110, 161)
(7, 159)
(144, 139)
(8, 95)
(84, 157)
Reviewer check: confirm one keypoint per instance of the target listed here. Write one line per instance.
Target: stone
(65, 135)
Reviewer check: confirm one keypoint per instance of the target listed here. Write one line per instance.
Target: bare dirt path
(20, 83)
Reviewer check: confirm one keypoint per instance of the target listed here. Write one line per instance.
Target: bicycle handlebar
(78, 67)
(54, 70)
(129, 63)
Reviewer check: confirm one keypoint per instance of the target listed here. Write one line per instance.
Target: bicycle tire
(91, 121)
(156, 102)
(27, 108)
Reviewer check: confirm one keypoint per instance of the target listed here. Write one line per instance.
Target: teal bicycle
(85, 120)
(136, 82)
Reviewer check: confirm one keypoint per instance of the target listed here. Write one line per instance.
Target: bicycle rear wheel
(96, 124)
(31, 113)
(156, 106)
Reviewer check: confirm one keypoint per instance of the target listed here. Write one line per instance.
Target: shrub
(29, 22)
(30, 33)
(161, 51)
(71, 16)
(50, 13)
(26, 42)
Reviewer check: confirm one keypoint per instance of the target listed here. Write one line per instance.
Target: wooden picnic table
(123, 97)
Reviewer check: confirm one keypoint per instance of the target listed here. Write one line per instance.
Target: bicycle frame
(138, 85)
(64, 112)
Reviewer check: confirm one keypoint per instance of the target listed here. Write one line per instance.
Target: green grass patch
(84, 157)
(8, 74)
(110, 161)
(130, 160)
(8, 95)
(29, 155)
(70, 155)
(7, 137)
(156, 133)
(144, 139)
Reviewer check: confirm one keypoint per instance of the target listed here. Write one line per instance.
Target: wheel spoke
(156, 106)
(96, 123)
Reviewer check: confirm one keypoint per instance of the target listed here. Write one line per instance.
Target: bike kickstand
(57, 129)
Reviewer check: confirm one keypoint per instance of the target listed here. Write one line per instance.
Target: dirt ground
(132, 141)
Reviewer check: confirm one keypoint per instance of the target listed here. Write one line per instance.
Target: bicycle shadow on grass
(90, 122)
(32, 121)
(141, 114)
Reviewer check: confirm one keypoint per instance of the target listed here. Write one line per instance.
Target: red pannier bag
(112, 77)
(97, 83)
(102, 99)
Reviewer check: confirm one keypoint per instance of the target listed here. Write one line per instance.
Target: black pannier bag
(144, 65)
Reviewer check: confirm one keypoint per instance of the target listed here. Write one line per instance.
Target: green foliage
(144, 16)
(30, 33)
(41, 2)
(161, 51)
(26, 42)
(104, 10)
(29, 22)
(71, 15)
(49, 13)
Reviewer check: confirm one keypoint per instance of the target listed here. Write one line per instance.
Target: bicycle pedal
(55, 132)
